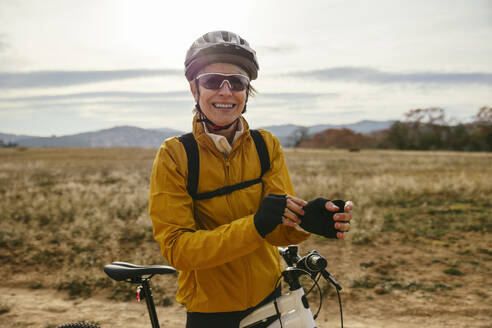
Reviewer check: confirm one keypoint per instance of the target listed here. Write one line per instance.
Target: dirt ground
(466, 303)
(389, 284)
(47, 308)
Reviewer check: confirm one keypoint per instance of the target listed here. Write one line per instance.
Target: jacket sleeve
(277, 181)
(171, 209)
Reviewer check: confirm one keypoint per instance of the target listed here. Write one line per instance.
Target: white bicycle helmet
(220, 47)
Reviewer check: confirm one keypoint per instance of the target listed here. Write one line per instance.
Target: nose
(225, 88)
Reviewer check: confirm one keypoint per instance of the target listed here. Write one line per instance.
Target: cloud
(47, 79)
(143, 103)
(120, 105)
(278, 49)
(282, 98)
(287, 96)
(121, 102)
(3, 44)
(373, 76)
(100, 95)
(125, 97)
(291, 101)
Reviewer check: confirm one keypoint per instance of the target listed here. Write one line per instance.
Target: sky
(70, 66)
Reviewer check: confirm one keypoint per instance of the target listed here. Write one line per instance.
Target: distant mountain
(130, 136)
(121, 136)
(174, 132)
(364, 127)
(284, 132)
(7, 138)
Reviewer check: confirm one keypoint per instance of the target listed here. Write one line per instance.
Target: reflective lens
(214, 81)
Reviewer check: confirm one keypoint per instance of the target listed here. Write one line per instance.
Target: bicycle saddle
(127, 271)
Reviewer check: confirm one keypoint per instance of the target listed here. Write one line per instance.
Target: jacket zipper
(227, 164)
(247, 268)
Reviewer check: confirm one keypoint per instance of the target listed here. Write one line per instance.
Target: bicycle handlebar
(313, 263)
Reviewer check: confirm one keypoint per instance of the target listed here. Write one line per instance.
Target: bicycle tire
(81, 324)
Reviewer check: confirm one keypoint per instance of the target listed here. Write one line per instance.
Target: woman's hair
(252, 91)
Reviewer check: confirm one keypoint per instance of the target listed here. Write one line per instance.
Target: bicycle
(290, 310)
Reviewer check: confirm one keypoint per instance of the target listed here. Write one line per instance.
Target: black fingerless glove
(269, 215)
(318, 220)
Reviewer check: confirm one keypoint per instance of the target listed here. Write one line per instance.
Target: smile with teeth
(223, 106)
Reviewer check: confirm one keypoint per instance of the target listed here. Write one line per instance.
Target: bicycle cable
(279, 315)
(319, 290)
(317, 277)
(340, 303)
(315, 280)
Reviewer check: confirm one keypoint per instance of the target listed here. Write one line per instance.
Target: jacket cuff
(251, 222)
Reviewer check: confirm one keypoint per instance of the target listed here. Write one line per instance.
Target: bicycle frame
(293, 309)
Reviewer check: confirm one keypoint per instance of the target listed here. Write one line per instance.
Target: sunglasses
(214, 81)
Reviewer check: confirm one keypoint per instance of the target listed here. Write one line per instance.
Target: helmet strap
(215, 127)
(246, 102)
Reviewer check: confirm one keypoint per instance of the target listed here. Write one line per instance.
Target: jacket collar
(202, 138)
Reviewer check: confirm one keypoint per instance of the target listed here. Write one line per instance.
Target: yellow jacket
(224, 264)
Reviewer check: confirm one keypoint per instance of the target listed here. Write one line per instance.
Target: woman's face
(221, 106)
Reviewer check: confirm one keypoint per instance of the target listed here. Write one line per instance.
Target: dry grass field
(419, 252)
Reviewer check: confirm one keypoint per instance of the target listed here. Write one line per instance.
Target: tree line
(7, 144)
(429, 129)
(422, 129)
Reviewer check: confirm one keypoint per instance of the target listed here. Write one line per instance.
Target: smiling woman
(221, 200)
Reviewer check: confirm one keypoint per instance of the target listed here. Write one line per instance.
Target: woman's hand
(292, 211)
(330, 219)
(344, 218)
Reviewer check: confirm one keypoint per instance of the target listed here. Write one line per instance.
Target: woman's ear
(193, 90)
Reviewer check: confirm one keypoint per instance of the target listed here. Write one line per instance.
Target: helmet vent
(225, 36)
(220, 47)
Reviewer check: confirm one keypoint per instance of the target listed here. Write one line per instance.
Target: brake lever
(330, 278)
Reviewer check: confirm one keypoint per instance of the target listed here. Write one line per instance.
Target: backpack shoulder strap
(262, 150)
(191, 148)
